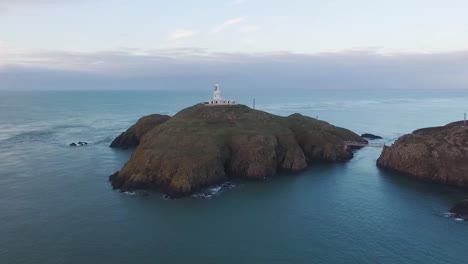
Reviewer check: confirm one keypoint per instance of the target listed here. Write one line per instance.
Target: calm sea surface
(57, 206)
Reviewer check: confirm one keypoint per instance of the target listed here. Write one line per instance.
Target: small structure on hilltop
(216, 99)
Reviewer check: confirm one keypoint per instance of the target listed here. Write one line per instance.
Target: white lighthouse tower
(216, 94)
(217, 99)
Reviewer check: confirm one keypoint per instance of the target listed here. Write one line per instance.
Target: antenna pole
(254, 103)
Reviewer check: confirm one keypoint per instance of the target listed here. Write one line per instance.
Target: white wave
(449, 215)
(215, 189)
(210, 192)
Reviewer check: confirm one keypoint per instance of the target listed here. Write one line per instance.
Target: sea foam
(210, 192)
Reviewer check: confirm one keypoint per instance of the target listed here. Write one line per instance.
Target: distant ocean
(57, 206)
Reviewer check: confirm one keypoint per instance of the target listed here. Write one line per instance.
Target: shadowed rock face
(131, 138)
(438, 154)
(205, 145)
(321, 141)
(460, 210)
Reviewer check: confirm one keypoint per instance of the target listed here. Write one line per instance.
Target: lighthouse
(217, 99)
(216, 94)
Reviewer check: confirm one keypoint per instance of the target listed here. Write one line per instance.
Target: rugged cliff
(204, 145)
(131, 138)
(438, 154)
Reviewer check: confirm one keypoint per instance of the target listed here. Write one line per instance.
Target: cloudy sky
(151, 43)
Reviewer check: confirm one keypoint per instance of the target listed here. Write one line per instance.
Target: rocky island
(437, 154)
(370, 136)
(205, 145)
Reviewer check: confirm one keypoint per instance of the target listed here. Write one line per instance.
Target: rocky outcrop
(460, 210)
(132, 137)
(370, 136)
(321, 141)
(438, 154)
(206, 145)
(79, 144)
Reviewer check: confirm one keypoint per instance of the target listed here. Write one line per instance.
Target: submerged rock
(460, 210)
(370, 136)
(438, 154)
(132, 137)
(79, 144)
(205, 145)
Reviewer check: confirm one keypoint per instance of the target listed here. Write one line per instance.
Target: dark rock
(79, 144)
(460, 210)
(114, 179)
(132, 137)
(370, 136)
(205, 145)
(438, 154)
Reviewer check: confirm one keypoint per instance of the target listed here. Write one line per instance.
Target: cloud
(13, 6)
(9, 51)
(35, 2)
(181, 34)
(187, 68)
(22, 2)
(228, 23)
(250, 28)
(236, 2)
(12, 3)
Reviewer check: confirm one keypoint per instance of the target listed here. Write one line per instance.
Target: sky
(48, 44)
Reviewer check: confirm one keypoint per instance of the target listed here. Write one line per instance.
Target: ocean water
(57, 206)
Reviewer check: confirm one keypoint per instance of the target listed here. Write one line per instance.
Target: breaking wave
(213, 191)
(136, 193)
(454, 217)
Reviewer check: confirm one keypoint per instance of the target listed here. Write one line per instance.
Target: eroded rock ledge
(131, 138)
(438, 154)
(203, 145)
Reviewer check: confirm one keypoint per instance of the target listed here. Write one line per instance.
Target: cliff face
(438, 154)
(132, 137)
(204, 145)
(321, 141)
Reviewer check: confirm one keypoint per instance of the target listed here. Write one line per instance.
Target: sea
(57, 205)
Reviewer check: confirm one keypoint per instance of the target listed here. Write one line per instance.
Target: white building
(216, 99)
